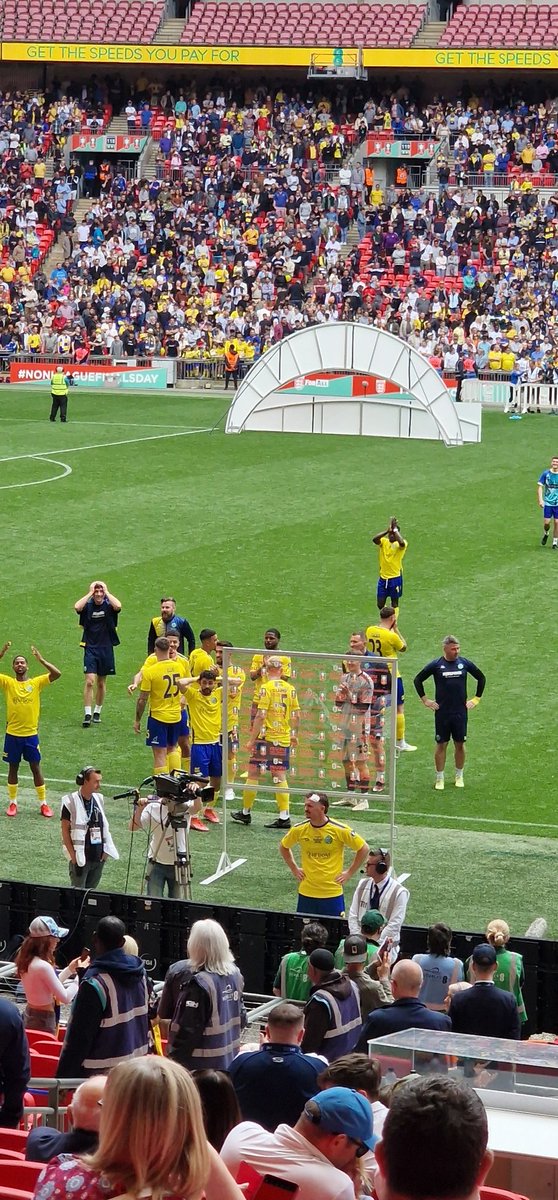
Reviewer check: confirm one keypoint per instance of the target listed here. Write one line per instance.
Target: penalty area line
(156, 437)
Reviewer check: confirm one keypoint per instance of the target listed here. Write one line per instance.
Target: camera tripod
(179, 823)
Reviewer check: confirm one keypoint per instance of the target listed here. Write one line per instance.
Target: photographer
(152, 815)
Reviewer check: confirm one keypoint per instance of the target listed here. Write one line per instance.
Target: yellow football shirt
(236, 680)
(391, 558)
(321, 855)
(277, 700)
(160, 681)
(200, 660)
(205, 714)
(259, 661)
(384, 642)
(23, 703)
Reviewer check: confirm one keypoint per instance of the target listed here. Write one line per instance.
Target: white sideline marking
(156, 437)
(402, 812)
(5, 487)
(100, 424)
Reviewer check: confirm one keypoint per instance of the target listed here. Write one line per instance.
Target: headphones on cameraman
(381, 867)
(84, 774)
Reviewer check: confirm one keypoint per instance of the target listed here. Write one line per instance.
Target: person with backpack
(202, 999)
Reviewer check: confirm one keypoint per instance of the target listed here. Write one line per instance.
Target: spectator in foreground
(44, 1143)
(364, 1074)
(332, 1020)
(274, 1082)
(14, 1065)
(151, 1142)
(219, 1105)
(109, 1020)
(406, 1012)
(438, 968)
(484, 1009)
(319, 1154)
(44, 987)
(434, 1142)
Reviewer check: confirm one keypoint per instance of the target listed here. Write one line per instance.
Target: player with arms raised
(391, 550)
(547, 494)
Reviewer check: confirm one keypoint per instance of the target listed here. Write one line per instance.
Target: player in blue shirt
(547, 492)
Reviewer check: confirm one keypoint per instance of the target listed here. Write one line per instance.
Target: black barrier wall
(258, 938)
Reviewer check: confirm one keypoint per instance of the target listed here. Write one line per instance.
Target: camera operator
(152, 815)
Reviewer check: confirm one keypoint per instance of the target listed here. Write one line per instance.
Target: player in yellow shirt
(179, 758)
(204, 700)
(385, 640)
(23, 707)
(322, 843)
(273, 732)
(200, 658)
(391, 551)
(258, 666)
(236, 678)
(161, 684)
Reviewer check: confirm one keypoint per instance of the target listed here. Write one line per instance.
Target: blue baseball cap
(46, 927)
(342, 1110)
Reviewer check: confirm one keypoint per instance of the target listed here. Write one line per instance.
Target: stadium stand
(315, 24)
(502, 24)
(77, 21)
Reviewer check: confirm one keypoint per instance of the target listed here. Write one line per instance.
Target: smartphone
(272, 1188)
(86, 953)
(385, 945)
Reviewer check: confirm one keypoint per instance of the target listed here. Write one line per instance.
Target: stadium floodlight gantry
(295, 388)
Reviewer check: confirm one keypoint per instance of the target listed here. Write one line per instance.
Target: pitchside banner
(118, 378)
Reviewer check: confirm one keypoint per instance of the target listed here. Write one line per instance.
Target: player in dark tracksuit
(451, 705)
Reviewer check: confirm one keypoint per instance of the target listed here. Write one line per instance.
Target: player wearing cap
(274, 731)
(86, 836)
(319, 1154)
(42, 984)
(373, 993)
(484, 1009)
(322, 844)
(451, 706)
(23, 707)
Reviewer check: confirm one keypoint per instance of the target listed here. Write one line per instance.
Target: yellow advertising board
(273, 56)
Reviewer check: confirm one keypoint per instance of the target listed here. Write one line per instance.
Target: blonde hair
(152, 1133)
(498, 933)
(208, 946)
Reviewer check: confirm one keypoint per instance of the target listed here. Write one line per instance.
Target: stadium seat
(515, 24)
(490, 1193)
(8, 1193)
(13, 1139)
(19, 1174)
(43, 1066)
(321, 24)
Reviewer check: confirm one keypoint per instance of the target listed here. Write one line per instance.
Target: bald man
(85, 1115)
(406, 1012)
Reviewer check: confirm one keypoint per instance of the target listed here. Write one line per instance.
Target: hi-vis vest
(231, 360)
(221, 1037)
(347, 1022)
(58, 385)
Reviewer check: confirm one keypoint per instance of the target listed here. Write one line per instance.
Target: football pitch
(265, 529)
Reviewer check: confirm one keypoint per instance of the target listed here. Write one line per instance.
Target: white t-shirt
(41, 984)
(288, 1155)
(161, 846)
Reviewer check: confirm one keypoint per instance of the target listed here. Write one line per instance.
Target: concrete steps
(429, 36)
(170, 32)
(56, 255)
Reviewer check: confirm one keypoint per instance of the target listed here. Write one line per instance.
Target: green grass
(257, 530)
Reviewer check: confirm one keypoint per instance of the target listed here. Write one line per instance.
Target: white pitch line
(474, 820)
(6, 487)
(156, 437)
(100, 424)
(117, 787)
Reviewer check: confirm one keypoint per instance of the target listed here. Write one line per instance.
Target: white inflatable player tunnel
(346, 378)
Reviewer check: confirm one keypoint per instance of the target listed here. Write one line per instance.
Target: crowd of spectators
(304, 1109)
(262, 220)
